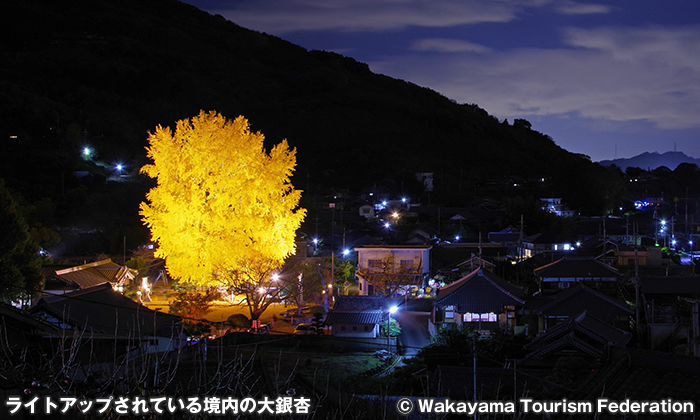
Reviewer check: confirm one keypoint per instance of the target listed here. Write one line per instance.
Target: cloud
(573, 8)
(283, 16)
(618, 74)
(447, 46)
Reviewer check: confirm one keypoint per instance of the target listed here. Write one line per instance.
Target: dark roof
(670, 285)
(347, 318)
(583, 332)
(578, 298)
(640, 375)
(101, 310)
(576, 267)
(480, 291)
(549, 238)
(360, 303)
(25, 318)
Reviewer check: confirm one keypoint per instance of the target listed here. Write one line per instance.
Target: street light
(388, 327)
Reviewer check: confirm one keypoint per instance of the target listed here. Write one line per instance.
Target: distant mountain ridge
(652, 160)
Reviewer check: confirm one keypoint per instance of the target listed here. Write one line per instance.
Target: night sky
(607, 79)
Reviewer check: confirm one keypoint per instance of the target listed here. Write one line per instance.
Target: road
(414, 331)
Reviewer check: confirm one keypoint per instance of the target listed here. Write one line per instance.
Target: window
(374, 264)
(354, 328)
(485, 317)
(449, 312)
(366, 328)
(406, 264)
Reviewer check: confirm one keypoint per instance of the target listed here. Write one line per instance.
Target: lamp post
(388, 327)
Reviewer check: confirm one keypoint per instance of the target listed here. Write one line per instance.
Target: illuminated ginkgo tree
(224, 211)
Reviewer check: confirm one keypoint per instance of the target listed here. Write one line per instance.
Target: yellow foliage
(224, 207)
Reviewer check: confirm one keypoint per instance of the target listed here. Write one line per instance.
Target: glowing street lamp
(388, 326)
(86, 153)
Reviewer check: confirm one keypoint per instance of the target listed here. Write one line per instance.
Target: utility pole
(636, 283)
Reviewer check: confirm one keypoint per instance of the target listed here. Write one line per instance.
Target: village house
(480, 299)
(565, 272)
(357, 316)
(392, 270)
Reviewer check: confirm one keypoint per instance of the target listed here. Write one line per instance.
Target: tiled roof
(480, 291)
(360, 303)
(87, 275)
(104, 311)
(348, 318)
(580, 332)
(579, 298)
(571, 267)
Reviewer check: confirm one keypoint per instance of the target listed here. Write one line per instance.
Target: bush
(239, 321)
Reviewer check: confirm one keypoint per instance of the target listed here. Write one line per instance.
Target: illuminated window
(485, 317)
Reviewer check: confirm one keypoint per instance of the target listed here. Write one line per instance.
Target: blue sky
(607, 79)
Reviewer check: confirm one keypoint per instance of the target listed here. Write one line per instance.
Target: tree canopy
(20, 265)
(224, 210)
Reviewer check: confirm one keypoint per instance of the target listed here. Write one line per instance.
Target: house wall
(417, 258)
(356, 330)
(420, 257)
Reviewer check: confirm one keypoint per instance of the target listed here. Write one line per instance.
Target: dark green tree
(20, 264)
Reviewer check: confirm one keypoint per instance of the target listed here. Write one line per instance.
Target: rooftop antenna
(616, 151)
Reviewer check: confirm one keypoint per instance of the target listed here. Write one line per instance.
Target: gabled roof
(92, 274)
(581, 332)
(360, 303)
(101, 310)
(577, 267)
(579, 298)
(346, 318)
(480, 291)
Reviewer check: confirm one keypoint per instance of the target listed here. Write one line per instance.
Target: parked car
(305, 329)
(262, 329)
